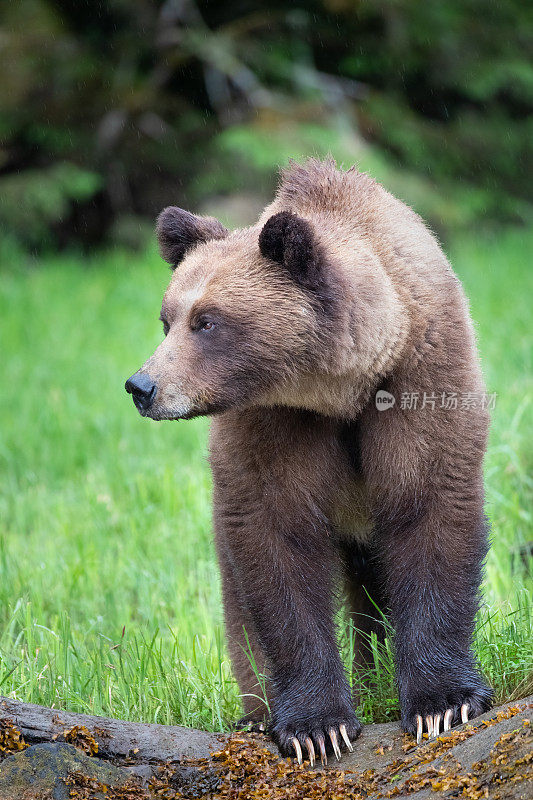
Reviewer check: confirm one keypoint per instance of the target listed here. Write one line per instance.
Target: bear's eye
(166, 326)
(203, 324)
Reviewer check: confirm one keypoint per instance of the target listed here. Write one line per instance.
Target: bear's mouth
(160, 415)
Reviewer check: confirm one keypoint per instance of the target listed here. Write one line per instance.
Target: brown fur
(338, 291)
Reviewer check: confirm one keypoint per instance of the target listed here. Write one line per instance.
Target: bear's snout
(142, 389)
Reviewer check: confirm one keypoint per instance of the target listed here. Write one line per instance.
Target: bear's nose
(142, 389)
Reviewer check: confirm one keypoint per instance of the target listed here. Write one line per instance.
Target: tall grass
(109, 591)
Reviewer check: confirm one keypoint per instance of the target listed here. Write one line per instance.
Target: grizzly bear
(332, 344)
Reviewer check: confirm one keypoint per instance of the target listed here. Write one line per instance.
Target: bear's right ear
(178, 231)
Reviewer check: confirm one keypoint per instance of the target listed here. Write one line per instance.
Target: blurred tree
(455, 81)
(109, 108)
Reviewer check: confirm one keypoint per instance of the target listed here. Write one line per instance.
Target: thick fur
(285, 331)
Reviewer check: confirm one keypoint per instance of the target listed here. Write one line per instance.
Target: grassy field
(109, 592)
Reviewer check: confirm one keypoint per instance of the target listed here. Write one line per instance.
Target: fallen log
(148, 743)
(116, 739)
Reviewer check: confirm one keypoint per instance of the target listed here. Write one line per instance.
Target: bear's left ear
(178, 231)
(290, 240)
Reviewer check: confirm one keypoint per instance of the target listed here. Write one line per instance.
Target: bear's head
(256, 316)
(244, 315)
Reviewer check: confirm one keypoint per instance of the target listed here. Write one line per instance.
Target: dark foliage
(110, 109)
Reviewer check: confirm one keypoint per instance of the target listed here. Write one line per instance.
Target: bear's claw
(322, 746)
(298, 749)
(334, 743)
(250, 725)
(433, 722)
(308, 742)
(317, 737)
(310, 750)
(346, 738)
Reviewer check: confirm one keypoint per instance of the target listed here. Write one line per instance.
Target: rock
(40, 772)
(381, 744)
(491, 756)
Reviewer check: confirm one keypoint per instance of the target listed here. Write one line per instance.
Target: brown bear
(332, 344)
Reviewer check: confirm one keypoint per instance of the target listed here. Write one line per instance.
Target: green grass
(109, 592)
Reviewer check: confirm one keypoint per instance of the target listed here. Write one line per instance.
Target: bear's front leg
(284, 576)
(276, 540)
(432, 544)
(423, 471)
(432, 573)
